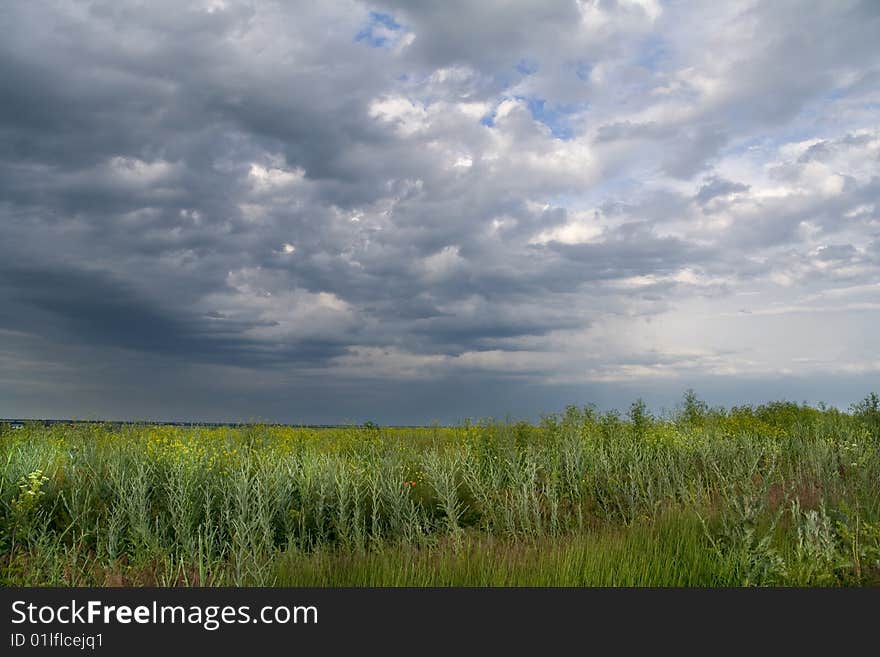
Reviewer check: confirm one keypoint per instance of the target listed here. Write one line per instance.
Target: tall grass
(780, 494)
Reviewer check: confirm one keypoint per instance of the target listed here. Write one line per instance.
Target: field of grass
(779, 494)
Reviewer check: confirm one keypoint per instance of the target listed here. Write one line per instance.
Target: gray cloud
(713, 187)
(326, 200)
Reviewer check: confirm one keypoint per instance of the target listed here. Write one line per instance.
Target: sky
(416, 212)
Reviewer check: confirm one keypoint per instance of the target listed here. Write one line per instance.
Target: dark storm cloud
(321, 197)
(69, 306)
(89, 306)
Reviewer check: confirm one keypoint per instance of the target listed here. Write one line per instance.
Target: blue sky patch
(554, 117)
(526, 67)
(377, 33)
(582, 70)
(652, 52)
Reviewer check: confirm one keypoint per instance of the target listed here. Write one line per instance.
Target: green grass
(672, 552)
(780, 494)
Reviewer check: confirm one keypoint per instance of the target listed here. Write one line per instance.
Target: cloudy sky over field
(409, 211)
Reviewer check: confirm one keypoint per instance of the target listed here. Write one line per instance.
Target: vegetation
(778, 494)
